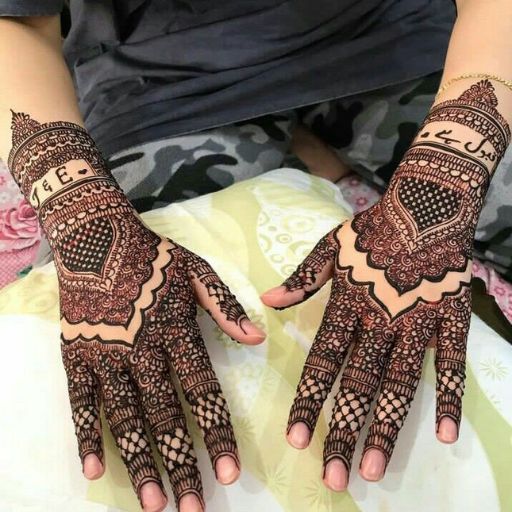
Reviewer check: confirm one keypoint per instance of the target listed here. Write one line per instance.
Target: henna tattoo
(97, 373)
(37, 148)
(306, 275)
(217, 290)
(401, 277)
(127, 311)
(424, 226)
(388, 351)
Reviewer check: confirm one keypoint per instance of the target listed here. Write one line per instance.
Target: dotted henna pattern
(128, 311)
(409, 243)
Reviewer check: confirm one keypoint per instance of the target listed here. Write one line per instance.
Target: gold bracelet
(506, 83)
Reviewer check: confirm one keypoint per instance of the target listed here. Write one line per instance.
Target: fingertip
(190, 503)
(336, 475)
(373, 465)
(226, 470)
(299, 435)
(277, 291)
(252, 334)
(92, 467)
(447, 431)
(152, 497)
(281, 297)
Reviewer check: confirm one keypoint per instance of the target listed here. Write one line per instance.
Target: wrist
(62, 174)
(449, 166)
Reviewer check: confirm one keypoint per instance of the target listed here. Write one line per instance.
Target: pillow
(254, 234)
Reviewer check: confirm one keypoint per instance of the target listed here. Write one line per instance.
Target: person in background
(148, 102)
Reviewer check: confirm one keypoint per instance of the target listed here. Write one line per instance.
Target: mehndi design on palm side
(401, 276)
(128, 311)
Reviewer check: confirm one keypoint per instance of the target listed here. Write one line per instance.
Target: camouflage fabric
(161, 172)
(369, 131)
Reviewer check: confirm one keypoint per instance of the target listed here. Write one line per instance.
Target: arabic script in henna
(128, 310)
(402, 274)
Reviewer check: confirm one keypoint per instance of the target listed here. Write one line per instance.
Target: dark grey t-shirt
(148, 69)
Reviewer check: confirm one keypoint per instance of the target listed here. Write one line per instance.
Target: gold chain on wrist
(506, 83)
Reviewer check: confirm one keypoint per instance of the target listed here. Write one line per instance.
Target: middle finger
(190, 360)
(357, 389)
(167, 422)
(398, 388)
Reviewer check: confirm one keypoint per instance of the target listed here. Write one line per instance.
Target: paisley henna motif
(128, 311)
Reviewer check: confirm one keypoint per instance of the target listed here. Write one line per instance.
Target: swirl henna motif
(401, 276)
(128, 311)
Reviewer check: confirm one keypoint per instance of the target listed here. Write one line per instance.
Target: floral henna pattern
(386, 352)
(424, 226)
(401, 273)
(128, 311)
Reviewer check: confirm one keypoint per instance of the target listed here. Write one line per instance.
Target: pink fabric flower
(19, 227)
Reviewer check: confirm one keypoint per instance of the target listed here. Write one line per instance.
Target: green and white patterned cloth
(254, 234)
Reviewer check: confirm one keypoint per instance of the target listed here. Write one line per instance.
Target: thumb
(309, 276)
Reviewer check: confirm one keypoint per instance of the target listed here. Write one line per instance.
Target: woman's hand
(401, 277)
(128, 317)
(384, 336)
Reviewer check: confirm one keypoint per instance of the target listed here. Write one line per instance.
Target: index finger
(216, 298)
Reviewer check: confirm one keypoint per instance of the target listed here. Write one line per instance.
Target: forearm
(481, 43)
(467, 129)
(35, 78)
(433, 202)
(50, 154)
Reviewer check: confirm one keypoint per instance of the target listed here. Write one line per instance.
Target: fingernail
(278, 290)
(447, 431)
(92, 467)
(226, 470)
(190, 503)
(335, 475)
(373, 465)
(152, 497)
(299, 435)
(251, 330)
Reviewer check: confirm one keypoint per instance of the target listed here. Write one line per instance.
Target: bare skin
(320, 159)
(478, 44)
(106, 335)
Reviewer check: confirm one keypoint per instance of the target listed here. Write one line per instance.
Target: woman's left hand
(401, 277)
(385, 336)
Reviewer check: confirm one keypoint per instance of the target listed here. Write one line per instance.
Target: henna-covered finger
(216, 298)
(85, 410)
(163, 410)
(358, 386)
(450, 361)
(403, 373)
(123, 412)
(321, 368)
(202, 391)
(309, 276)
